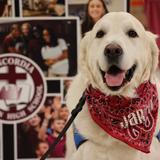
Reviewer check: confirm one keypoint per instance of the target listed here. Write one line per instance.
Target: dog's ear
(154, 50)
(84, 44)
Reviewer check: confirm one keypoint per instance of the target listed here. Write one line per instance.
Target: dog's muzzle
(114, 76)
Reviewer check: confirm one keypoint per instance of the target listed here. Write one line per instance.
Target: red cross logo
(12, 76)
(23, 91)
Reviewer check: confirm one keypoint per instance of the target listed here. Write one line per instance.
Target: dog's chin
(115, 78)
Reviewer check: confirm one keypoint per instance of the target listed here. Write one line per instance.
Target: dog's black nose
(113, 52)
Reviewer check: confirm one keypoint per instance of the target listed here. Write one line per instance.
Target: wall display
(7, 8)
(30, 8)
(47, 37)
(51, 44)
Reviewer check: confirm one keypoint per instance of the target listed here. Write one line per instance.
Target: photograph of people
(51, 43)
(43, 8)
(95, 9)
(6, 8)
(40, 131)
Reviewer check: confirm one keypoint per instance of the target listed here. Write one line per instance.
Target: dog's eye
(132, 33)
(100, 34)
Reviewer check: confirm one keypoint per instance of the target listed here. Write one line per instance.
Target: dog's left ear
(82, 63)
(154, 50)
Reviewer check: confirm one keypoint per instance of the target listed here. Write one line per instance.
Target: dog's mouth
(115, 78)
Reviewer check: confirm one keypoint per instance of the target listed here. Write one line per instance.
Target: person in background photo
(12, 40)
(26, 37)
(66, 86)
(30, 134)
(95, 9)
(41, 148)
(50, 110)
(34, 48)
(56, 105)
(54, 53)
(64, 112)
(57, 126)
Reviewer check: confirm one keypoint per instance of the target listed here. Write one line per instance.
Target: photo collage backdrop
(25, 26)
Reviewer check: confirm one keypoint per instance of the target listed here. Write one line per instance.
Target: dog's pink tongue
(114, 80)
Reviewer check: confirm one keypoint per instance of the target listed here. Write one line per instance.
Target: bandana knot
(131, 120)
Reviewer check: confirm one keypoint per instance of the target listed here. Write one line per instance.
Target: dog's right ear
(154, 52)
(82, 57)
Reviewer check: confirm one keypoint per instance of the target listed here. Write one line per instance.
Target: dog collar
(130, 120)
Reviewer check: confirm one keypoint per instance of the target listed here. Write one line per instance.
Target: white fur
(141, 50)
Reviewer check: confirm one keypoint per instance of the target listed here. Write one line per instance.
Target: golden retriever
(116, 57)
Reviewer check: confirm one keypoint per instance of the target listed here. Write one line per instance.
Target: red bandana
(131, 120)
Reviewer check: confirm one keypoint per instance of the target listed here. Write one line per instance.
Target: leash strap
(74, 113)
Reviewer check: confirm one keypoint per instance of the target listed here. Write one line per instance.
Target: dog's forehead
(119, 18)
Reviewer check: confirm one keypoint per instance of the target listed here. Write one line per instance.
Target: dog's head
(117, 55)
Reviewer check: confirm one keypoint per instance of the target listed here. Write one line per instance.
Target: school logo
(22, 88)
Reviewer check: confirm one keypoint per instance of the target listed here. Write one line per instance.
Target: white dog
(117, 65)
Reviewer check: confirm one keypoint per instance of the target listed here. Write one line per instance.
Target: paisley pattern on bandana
(131, 120)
